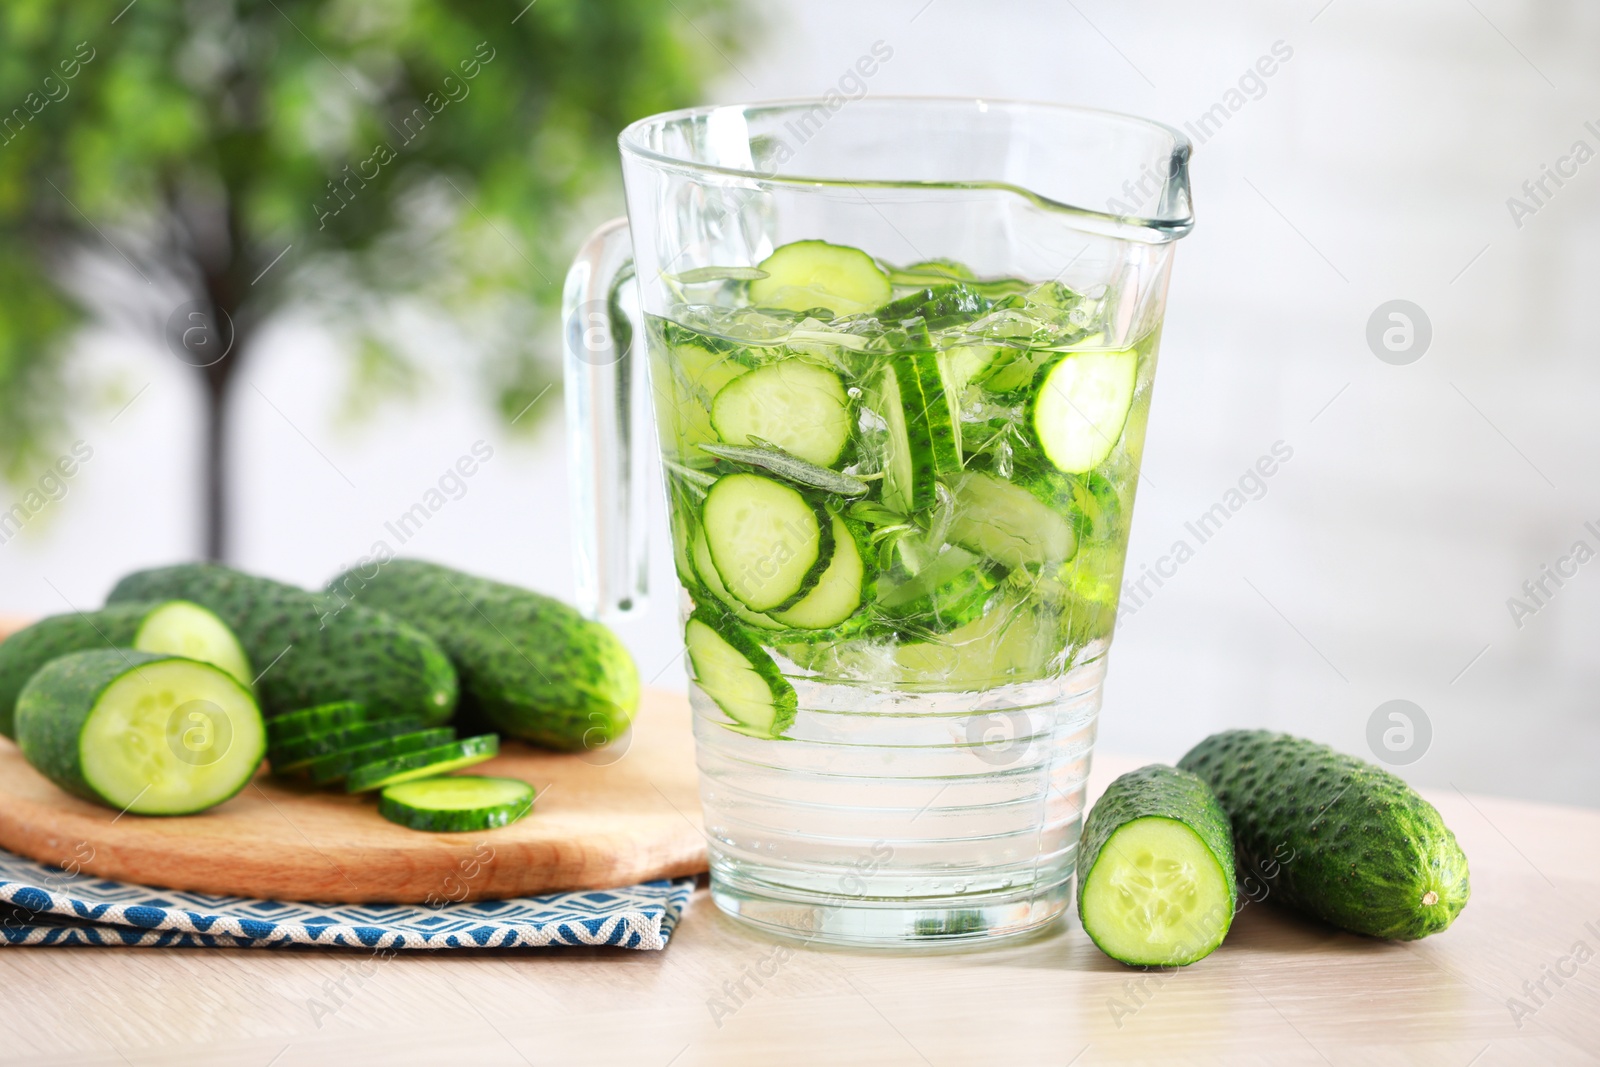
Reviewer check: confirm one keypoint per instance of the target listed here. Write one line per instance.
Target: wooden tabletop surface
(1279, 991)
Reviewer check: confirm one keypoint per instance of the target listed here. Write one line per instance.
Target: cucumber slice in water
(769, 544)
(1156, 865)
(459, 804)
(1081, 407)
(810, 274)
(332, 768)
(1007, 523)
(796, 405)
(425, 763)
(922, 412)
(838, 592)
(141, 732)
(739, 676)
(701, 556)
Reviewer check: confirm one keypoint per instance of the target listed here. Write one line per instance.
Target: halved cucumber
(803, 275)
(1007, 523)
(142, 732)
(457, 804)
(293, 755)
(922, 412)
(424, 763)
(837, 595)
(1082, 405)
(324, 718)
(1156, 869)
(739, 676)
(798, 406)
(177, 627)
(333, 767)
(769, 544)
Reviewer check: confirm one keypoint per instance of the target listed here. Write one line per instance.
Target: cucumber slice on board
(837, 595)
(1156, 869)
(424, 763)
(1081, 407)
(460, 804)
(739, 676)
(803, 275)
(1334, 836)
(324, 718)
(798, 406)
(332, 768)
(769, 544)
(1007, 523)
(177, 627)
(141, 732)
(294, 755)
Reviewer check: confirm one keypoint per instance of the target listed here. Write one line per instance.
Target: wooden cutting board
(628, 813)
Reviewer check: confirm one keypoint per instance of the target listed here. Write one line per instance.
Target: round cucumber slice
(1082, 405)
(739, 676)
(1007, 523)
(1157, 869)
(140, 732)
(186, 629)
(796, 405)
(838, 592)
(425, 763)
(769, 543)
(456, 805)
(815, 274)
(703, 566)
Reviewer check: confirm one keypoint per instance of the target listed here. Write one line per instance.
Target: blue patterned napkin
(51, 906)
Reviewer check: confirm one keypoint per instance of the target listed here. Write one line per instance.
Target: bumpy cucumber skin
(1168, 793)
(340, 651)
(1366, 849)
(59, 699)
(29, 649)
(531, 666)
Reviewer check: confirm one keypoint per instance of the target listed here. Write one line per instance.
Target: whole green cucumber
(1156, 883)
(1345, 841)
(310, 648)
(175, 626)
(531, 666)
(141, 732)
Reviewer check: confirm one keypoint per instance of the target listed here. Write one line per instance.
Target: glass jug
(899, 354)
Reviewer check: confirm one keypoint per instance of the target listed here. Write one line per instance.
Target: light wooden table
(1280, 991)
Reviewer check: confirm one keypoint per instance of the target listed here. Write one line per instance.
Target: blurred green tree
(198, 166)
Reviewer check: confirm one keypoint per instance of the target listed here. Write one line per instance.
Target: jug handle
(606, 386)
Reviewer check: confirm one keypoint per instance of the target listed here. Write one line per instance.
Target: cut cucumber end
(460, 804)
(171, 737)
(183, 628)
(1156, 895)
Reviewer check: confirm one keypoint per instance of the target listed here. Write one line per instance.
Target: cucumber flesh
(769, 544)
(798, 406)
(1007, 523)
(921, 410)
(701, 557)
(1156, 869)
(332, 768)
(141, 732)
(1082, 405)
(815, 274)
(321, 719)
(294, 755)
(739, 677)
(461, 804)
(838, 592)
(186, 629)
(425, 763)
